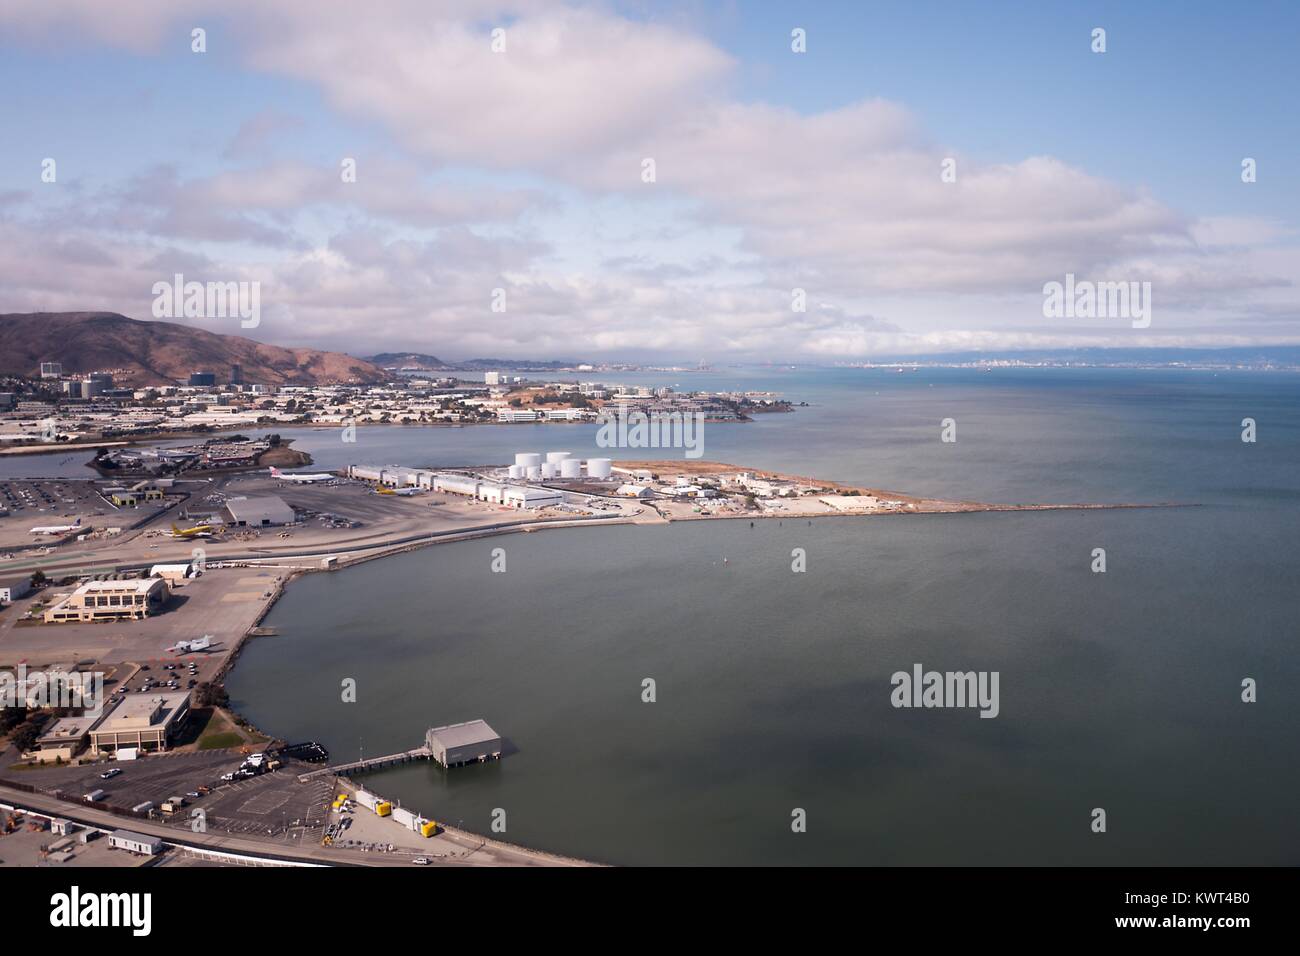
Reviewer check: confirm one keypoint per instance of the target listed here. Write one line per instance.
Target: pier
(370, 763)
(450, 746)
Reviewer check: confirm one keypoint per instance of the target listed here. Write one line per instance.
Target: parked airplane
(189, 647)
(198, 531)
(56, 528)
(401, 492)
(300, 476)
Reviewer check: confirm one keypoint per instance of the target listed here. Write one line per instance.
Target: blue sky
(776, 171)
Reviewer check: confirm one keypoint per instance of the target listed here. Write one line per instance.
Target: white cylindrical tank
(516, 471)
(528, 459)
(555, 457)
(571, 468)
(548, 469)
(534, 471)
(599, 467)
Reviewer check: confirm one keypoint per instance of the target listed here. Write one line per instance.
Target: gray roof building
(456, 744)
(258, 512)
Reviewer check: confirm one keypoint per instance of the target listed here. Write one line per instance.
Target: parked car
(110, 773)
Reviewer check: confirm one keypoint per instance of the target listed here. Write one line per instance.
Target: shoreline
(525, 527)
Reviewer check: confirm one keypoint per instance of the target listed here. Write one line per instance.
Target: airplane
(189, 647)
(401, 492)
(198, 531)
(56, 528)
(300, 477)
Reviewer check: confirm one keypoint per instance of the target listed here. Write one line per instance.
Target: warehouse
(633, 491)
(11, 589)
(456, 484)
(258, 512)
(172, 573)
(530, 497)
(135, 842)
(456, 744)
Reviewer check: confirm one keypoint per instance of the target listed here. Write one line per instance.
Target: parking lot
(30, 503)
(153, 778)
(274, 804)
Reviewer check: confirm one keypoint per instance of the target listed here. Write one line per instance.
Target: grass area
(221, 731)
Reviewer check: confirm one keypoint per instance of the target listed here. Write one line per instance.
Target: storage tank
(599, 467)
(516, 471)
(555, 457)
(548, 469)
(571, 468)
(528, 459)
(534, 471)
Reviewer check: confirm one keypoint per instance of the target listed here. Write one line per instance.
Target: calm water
(1118, 690)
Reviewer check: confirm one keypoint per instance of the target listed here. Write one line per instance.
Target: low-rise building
(147, 722)
(64, 739)
(469, 742)
(135, 842)
(110, 601)
(13, 588)
(172, 573)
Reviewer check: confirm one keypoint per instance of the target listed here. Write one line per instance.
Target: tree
(24, 737)
(38, 578)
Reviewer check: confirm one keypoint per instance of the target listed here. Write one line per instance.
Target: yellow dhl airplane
(198, 531)
(399, 492)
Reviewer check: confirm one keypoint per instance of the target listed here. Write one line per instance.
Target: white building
(633, 491)
(517, 497)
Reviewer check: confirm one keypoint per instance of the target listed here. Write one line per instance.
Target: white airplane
(56, 528)
(189, 647)
(299, 476)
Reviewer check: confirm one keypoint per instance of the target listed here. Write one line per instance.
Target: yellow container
(383, 808)
(428, 828)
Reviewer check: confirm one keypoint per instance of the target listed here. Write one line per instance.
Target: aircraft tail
(275, 472)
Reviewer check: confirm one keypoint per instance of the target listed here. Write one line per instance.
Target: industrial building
(11, 589)
(456, 744)
(143, 721)
(110, 601)
(173, 574)
(135, 842)
(258, 512)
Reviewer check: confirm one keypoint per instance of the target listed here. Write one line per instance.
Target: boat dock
(370, 763)
(450, 746)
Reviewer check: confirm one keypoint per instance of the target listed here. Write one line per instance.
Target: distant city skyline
(501, 206)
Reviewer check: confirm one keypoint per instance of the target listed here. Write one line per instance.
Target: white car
(421, 861)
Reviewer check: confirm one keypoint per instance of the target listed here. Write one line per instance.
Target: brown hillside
(155, 353)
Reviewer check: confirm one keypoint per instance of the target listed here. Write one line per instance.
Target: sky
(909, 182)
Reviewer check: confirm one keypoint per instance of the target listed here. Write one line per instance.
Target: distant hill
(406, 360)
(157, 353)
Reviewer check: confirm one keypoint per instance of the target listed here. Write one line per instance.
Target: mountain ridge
(154, 352)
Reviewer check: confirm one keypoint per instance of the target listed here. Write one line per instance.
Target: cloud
(847, 203)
